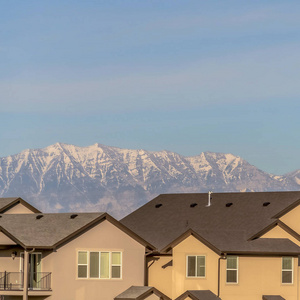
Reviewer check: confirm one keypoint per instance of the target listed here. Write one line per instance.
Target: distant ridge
(65, 177)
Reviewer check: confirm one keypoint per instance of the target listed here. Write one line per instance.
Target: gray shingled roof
(133, 292)
(272, 297)
(226, 228)
(199, 295)
(4, 202)
(46, 231)
(139, 293)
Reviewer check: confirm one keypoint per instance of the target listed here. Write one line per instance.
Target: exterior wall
(291, 219)
(19, 209)
(158, 277)
(7, 263)
(5, 240)
(258, 276)
(278, 232)
(192, 246)
(105, 236)
(152, 297)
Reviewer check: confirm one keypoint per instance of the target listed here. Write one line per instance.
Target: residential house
(67, 256)
(178, 246)
(232, 246)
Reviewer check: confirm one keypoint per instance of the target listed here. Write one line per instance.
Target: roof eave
(187, 234)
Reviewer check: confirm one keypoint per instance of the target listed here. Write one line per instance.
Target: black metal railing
(14, 281)
(40, 281)
(11, 280)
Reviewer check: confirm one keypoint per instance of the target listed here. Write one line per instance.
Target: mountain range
(64, 177)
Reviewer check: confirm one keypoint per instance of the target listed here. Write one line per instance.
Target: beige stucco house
(67, 256)
(232, 246)
(177, 246)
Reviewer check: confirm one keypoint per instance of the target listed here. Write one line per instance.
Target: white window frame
(110, 264)
(231, 269)
(115, 265)
(287, 270)
(87, 264)
(187, 266)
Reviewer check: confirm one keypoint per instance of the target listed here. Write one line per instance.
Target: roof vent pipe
(209, 199)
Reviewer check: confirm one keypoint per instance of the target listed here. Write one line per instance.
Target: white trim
(109, 264)
(187, 265)
(287, 270)
(22, 259)
(116, 265)
(87, 264)
(231, 269)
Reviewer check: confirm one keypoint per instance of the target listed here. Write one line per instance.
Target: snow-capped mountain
(65, 177)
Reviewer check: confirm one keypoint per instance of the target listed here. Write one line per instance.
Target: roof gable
(140, 293)
(8, 203)
(199, 295)
(56, 229)
(170, 217)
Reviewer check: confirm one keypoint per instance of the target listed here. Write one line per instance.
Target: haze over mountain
(65, 177)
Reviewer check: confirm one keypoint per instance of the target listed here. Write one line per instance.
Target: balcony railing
(14, 281)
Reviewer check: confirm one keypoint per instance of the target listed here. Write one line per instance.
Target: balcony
(14, 281)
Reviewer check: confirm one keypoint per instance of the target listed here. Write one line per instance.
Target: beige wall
(7, 263)
(5, 240)
(105, 236)
(292, 218)
(152, 297)
(278, 232)
(19, 209)
(257, 275)
(158, 277)
(192, 246)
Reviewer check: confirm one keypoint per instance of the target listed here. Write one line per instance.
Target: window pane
(94, 264)
(287, 263)
(201, 266)
(231, 276)
(116, 258)
(191, 265)
(201, 271)
(82, 258)
(115, 272)
(201, 261)
(287, 277)
(82, 271)
(104, 265)
(231, 262)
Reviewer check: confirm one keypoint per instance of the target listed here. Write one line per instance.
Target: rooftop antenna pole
(209, 198)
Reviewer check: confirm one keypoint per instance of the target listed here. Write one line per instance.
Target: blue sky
(187, 76)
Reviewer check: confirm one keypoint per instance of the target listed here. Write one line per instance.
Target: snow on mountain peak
(63, 176)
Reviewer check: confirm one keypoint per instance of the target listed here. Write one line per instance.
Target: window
(195, 266)
(98, 264)
(116, 265)
(287, 270)
(232, 269)
(82, 264)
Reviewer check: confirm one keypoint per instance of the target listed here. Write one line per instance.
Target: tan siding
(5, 240)
(191, 246)
(159, 277)
(19, 209)
(258, 276)
(292, 218)
(7, 263)
(105, 236)
(278, 232)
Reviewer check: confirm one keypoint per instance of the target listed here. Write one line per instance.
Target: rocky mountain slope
(65, 177)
